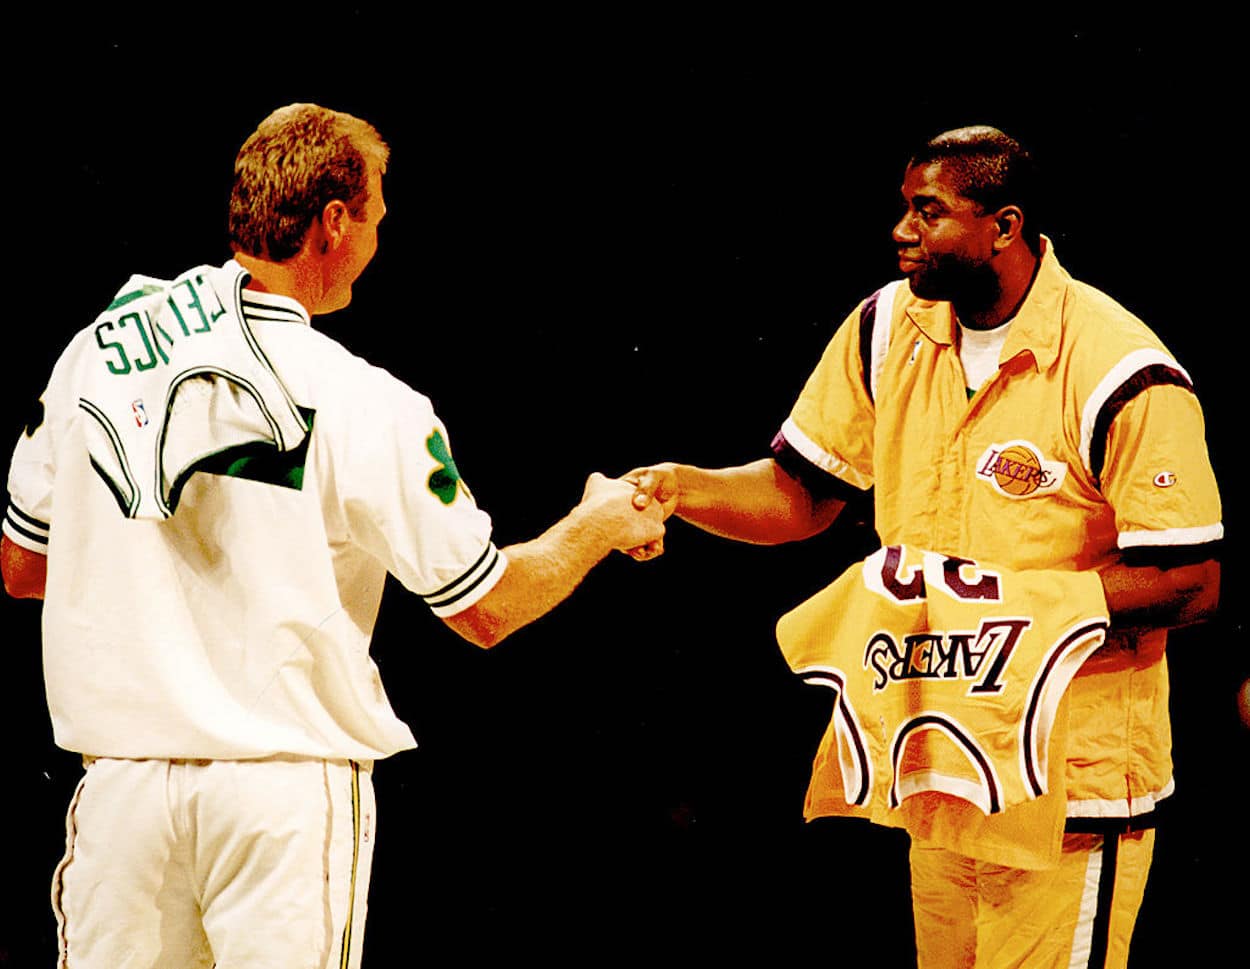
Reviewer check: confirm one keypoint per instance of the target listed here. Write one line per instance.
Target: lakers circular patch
(1018, 472)
(1019, 469)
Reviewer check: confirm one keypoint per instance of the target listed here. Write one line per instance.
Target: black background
(608, 244)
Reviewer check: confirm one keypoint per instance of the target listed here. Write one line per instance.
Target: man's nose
(904, 233)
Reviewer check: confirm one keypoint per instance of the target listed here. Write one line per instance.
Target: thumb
(593, 481)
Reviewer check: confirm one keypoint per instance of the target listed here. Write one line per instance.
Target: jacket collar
(259, 305)
(1035, 328)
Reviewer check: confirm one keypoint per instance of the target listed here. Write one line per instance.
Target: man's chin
(925, 288)
(952, 287)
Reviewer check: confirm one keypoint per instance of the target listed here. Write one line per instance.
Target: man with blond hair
(209, 505)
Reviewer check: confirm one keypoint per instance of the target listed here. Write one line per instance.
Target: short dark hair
(297, 161)
(992, 169)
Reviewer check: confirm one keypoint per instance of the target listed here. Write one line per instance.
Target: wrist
(675, 499)
(587, 533)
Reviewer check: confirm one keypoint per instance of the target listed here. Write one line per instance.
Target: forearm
(1152, 597)
(25, 572)
(755, 502)
(541, 574)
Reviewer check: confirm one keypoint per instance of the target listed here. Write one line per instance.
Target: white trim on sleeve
(471, 586)
(814, 454)
(21, 529)
(1200, 535)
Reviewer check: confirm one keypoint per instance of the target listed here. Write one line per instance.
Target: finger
(646, 483)
(642, 553)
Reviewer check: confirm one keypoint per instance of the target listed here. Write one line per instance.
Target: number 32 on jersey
(978, 655)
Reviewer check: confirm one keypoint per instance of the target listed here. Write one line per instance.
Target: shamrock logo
(444, 481)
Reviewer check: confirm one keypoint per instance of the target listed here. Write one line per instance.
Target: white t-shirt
(240, 627)
(979, 351)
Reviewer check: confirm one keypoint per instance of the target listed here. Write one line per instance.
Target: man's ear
(1009, 220)
(334, 219)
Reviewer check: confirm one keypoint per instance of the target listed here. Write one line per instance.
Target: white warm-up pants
(238, 864)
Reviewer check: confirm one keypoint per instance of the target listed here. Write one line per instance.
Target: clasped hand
(632, 508)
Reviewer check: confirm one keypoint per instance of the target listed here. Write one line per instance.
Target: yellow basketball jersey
(950, 677)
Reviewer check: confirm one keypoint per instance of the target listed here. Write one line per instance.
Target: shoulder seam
(875, 318)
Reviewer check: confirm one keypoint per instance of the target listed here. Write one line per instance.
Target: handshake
(629, 511)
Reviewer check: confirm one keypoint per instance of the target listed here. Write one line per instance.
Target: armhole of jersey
(120, 479)
(295, 419)
(1134, 374)
(874, 334)
(259, 461)
(850, 747)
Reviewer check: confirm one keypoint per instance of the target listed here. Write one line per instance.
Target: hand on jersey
(654, 487)
(628, 526)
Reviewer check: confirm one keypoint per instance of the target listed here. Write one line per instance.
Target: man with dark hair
(1007, 419)
(990, 168)
(209, 508)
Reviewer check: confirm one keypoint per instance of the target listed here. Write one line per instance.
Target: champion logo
(1165, 479)
(1017, 469)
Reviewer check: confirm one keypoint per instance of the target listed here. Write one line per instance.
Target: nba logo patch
(1017, 469)
(140, 412)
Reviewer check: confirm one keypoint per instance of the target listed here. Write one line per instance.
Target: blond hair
(297, 161)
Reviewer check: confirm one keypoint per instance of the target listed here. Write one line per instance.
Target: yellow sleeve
(831, 423)
(1157, 474)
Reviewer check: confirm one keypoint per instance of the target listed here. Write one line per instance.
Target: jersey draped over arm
(949, 678)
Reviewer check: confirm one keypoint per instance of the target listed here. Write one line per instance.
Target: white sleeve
(404, 501)
(28, 515)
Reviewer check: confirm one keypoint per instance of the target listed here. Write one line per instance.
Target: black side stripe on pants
(1106, 893)
(345, 947)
